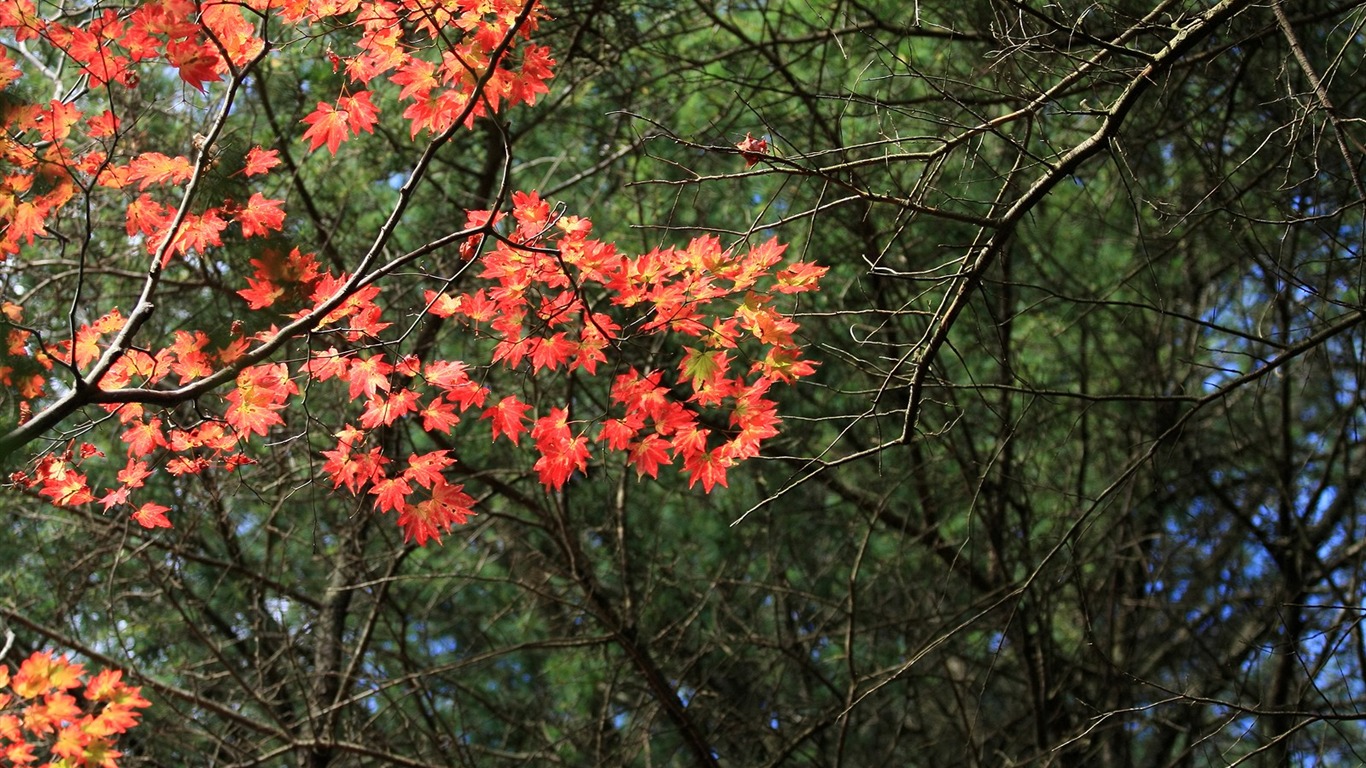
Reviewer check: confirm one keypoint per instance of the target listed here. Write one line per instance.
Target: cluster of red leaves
(547, 277)
(488, 65)
(465, 81)
(41, 717)
(552, 300)
(202, 41)
(539, 281)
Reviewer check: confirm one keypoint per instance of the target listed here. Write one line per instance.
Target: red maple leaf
(530, 80)
(232, 462)
(381, 410)
(144, 437)
(507, 418)
(369, 375)
(439, 416)
(187, 356)
(428, 519)
(552, 352)
(408, 365)
(260, 293)
(198, 62)
(352, 470)
(391, 493)
(187, 465)
(752, 150)
(326, 125)
(252, 417)
(647, 455)
(543, 273)
(449, 375)
(367, 323)
(233, 29)
(426, 469)
(260, 394)
(361, 114)
(114, 498)
(417, 77)
(101, 62)
(22, 17)
(708, 466)
(560, 459)
(690, 440)
(326, 365)
(260, 161)
(260, 216)
(440, 304)
(617, 433)
(477, 306)
(197, 233)
(134, 473)
(331, 125)
(134, 364)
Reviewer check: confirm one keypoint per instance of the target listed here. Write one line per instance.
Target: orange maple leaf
(44, 672)
(197, 62)
(802, 276)
(27, 222)
(152, 515)
(155, 168)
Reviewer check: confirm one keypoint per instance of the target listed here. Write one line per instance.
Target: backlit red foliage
(546, 299)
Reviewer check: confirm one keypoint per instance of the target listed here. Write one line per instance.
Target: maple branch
(81, 394)
(86, 389)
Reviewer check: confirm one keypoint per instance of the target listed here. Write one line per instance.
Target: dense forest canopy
(1060, 307)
